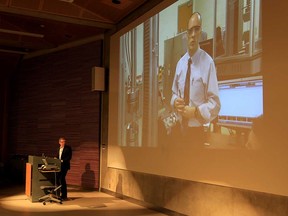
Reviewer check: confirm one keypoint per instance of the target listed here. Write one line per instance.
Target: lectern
(36, 179)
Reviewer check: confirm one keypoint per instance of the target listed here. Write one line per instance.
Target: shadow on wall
(119, 191)
(88, 178)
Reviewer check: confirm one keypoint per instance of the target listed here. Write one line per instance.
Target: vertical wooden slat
(28, 182)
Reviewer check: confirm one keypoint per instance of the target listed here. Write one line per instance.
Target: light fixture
(116, 1)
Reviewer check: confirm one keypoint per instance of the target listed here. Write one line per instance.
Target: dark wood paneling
(52, 97)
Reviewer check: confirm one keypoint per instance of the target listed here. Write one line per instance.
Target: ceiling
(31, 28)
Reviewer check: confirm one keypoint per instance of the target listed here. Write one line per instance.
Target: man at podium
(65, 155)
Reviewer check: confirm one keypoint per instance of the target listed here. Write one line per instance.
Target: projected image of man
(195, 86)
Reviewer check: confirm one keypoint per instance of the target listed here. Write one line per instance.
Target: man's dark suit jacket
(66, 157)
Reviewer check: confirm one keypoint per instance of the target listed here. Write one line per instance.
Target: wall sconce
(98, 79)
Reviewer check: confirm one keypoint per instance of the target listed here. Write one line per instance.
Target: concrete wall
(181, 197)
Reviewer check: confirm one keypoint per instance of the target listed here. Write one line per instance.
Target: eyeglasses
(195, 30)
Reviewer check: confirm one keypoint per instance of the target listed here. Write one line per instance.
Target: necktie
(187, 94)
(187, 83)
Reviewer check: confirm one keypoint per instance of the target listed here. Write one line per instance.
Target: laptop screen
(241, 101)
(45, 161)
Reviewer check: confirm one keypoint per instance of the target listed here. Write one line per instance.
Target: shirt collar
(195, 57)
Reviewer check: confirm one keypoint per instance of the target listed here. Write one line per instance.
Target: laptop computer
(49, 167)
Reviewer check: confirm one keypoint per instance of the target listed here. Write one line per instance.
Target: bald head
(196, 16)
(194, 32)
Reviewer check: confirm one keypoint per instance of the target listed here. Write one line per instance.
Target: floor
(14, 202)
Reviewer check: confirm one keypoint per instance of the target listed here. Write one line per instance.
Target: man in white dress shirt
(196, 102)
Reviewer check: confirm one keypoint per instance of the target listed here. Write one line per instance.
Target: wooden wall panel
(52, 97)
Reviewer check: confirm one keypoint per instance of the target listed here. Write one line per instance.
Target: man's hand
(179, 105)
(184, 110)
(188, 112)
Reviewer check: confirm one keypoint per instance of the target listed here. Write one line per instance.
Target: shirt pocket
(197, 90)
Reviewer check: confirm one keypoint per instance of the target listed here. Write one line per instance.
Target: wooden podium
(35, 179)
